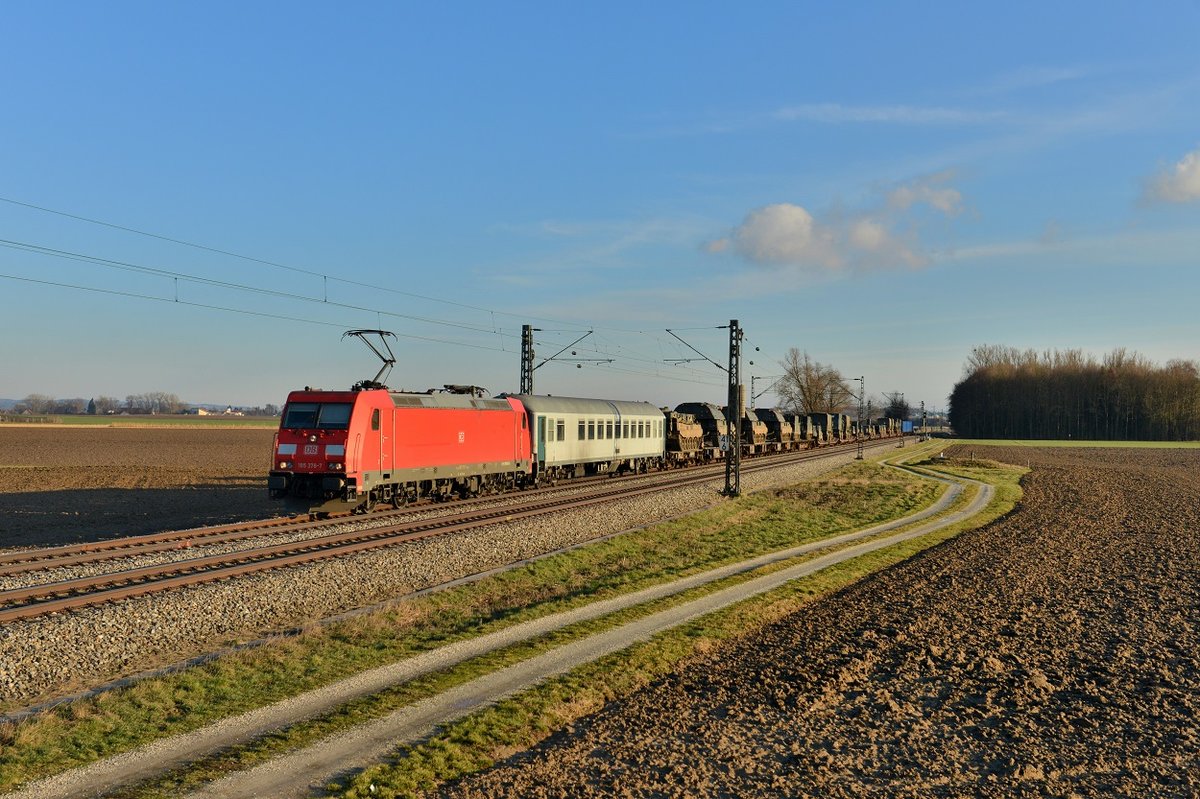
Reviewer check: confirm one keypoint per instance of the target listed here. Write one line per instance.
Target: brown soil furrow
(1054, 652)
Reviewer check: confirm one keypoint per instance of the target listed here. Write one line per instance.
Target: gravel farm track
(1055, 652)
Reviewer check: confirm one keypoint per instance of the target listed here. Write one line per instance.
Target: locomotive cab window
(301, 414)
(325, 416)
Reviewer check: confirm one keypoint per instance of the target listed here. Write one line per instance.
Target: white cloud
(928, 190)
(1177, 184)
(871, 238)
(1030, 78)
(785, 234)
(894, 114)
(788, 235)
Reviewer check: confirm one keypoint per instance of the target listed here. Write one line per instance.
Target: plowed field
(61, 484)
(1054, 653)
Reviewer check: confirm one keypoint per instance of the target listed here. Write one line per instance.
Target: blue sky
(884, 186)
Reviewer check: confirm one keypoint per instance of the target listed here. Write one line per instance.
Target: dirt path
(1054, 653)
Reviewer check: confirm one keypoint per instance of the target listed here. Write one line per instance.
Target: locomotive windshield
(322, 415)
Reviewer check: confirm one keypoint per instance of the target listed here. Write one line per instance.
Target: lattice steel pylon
(733, 412)
(526, 359)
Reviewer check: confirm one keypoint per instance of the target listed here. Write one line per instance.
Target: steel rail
(49, 598)
(14, 564)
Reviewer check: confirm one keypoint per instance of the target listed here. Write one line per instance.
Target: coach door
(385, 446)
(541, 439)
(617, 428)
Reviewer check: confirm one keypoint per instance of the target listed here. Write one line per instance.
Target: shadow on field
(49, 518)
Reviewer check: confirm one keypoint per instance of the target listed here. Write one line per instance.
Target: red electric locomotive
(348, 450)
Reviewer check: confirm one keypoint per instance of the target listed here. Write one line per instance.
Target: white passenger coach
(573, 437)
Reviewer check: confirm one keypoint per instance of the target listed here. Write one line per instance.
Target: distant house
(229, 411)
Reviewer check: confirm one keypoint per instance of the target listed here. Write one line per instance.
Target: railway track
(37, 600)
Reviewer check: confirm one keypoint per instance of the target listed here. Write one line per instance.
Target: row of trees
(158, 402)
(150, 402)
(1011, 393)
(808, 386)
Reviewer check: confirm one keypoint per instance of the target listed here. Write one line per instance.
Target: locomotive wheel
(398, 498)
(368, 504)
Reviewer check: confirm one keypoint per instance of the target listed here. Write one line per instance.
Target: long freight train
(351, 450)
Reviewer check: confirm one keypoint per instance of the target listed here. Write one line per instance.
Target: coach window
(375, 419)
(608, 429)
(562, 429)
(591, 429)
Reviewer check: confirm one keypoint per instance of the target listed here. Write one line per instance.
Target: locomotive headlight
(312, 437)
(285, 464)
(336, 467)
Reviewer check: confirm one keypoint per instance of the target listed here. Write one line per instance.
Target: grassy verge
(486, 737)
(855, 497)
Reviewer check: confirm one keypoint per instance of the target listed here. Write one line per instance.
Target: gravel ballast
(61, 654)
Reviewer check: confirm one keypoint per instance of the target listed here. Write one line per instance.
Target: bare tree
(153, 402)
(72, 405)
(38, 403)
(1008, 393)
(808, 386)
